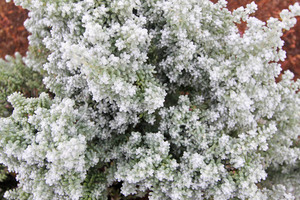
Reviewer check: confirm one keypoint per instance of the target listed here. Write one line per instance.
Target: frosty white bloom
(164, 97)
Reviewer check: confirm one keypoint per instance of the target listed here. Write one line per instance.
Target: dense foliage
(15, 77)
(164, 97)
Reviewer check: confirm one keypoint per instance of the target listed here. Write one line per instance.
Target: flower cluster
(164, 98)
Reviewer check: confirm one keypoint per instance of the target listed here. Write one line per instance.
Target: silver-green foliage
(15, 76)
(165, 97)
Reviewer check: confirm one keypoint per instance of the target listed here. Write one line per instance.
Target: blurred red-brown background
(13, 35)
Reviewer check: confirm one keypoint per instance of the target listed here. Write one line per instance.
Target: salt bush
(166, 98)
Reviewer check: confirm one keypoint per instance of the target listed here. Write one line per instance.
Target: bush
(164, 99)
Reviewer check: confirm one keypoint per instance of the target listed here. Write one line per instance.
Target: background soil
(13, 35)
